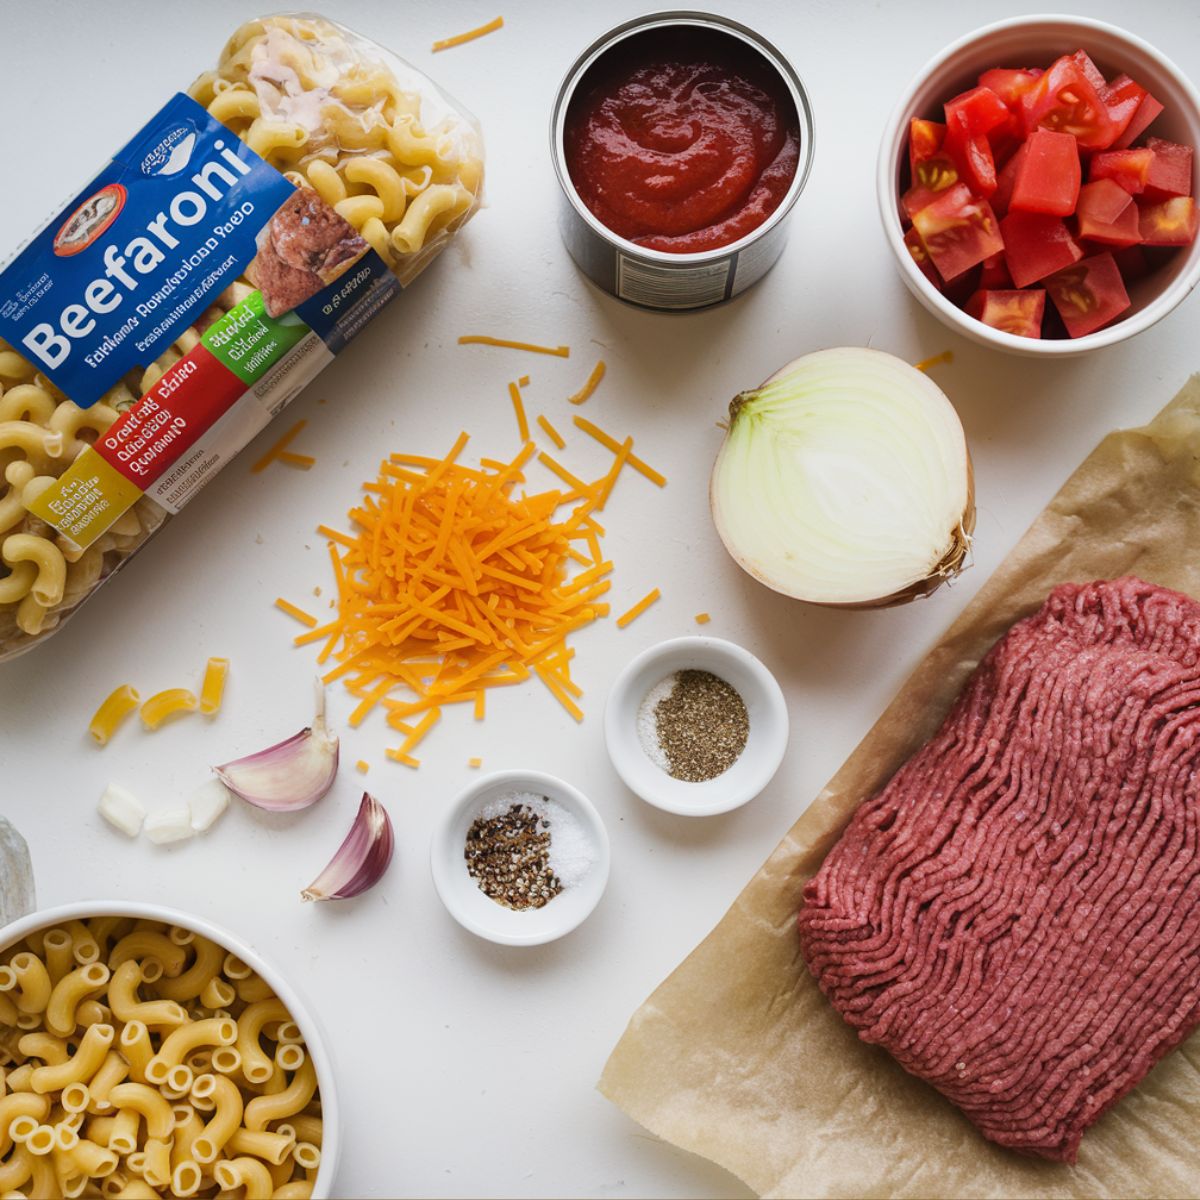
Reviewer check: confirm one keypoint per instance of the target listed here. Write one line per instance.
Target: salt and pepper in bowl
(696, 726)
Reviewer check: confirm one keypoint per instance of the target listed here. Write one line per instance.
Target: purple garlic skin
(361, 859)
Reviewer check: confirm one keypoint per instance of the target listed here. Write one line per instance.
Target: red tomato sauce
(682, 140)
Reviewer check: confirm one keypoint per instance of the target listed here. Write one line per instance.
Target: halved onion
(845, 480)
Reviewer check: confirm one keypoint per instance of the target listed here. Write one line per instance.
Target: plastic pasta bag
(384, 168)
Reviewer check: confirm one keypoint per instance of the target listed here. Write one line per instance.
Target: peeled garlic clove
(361, 859)
(207, 803)
(291, 775)
(122, 810)
(170, 825)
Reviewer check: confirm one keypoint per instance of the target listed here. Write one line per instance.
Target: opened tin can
(657, 279)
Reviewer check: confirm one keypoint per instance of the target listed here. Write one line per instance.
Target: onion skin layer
(951, 564)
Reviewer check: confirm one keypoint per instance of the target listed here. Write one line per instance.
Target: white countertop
(467, 1068)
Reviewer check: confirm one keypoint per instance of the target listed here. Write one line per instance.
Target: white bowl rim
(1168, 300)
(715, 650)
(314, 1035)
(445, 855)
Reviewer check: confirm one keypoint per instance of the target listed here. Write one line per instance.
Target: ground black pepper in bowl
(694, 725)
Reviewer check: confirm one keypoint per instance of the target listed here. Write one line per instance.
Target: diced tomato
(916, 247)
(1132, 262)
(1107, 214)
(1004, 145)
(1088, 294)
(925, 139)
(1010, 84)
(1170, 171)
(1169, 223)
(972, 155)
(1064, 100)
(1091, 72)
(994, 273)
(1146, 113)
(1049, 175)
(959, 230)
(1036, 245)
(1123, 97)
(1002, 196)
(977, 111)
(930, 179)
(1129, 168)
(1014, 312)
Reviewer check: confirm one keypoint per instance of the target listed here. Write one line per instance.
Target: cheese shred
(593, 382)
(479, 339)
(518, 404)
(452, 583)
(460, 38)
(639, 608)
(611, 443)
(279, 447)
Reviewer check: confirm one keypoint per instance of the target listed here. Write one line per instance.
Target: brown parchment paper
(738, 1057)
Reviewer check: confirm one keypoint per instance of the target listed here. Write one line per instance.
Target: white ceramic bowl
(462, 896)
(314, 1036)
(1035, 41)
(765, 706)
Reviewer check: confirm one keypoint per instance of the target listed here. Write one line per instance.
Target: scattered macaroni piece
(479, 339)
(702, 618)
(523, 381)
(292, 611)
(122, 810)
(612, 444)
(459, 38)
(212, 690)
(362, 766)
(114, 708)
(452, 585)
(304, 461)
(593, 382)
(163, 1065)
(207, 803)
(639, 608)
(170, 825)
(552, 433)
(474, 762)
(166, 704)
(519, 408)
(946, 356)
(282, 444)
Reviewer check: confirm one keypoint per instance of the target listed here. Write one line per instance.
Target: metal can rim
(654, 20)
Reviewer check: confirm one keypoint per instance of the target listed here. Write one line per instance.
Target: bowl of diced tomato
(1037, 183)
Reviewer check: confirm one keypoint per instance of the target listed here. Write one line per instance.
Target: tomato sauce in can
(681, 141)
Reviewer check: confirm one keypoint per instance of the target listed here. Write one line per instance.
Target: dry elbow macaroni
(43, 576)
(375, 141)
(141, 1059)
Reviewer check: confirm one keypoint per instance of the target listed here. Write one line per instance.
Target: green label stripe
(249, 342)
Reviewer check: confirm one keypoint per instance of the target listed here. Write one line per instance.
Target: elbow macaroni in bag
(218, 262)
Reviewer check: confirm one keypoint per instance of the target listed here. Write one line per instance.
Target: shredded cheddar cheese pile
(453, 584)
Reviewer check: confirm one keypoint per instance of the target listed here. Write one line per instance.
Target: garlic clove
(361, 859)
(207, 803)
(291, 775)
(169, 825)
(122, 810)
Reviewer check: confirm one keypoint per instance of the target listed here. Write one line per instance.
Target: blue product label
(338, 313)
(140, 253)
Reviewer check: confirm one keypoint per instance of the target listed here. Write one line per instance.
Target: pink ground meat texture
(1015, 917)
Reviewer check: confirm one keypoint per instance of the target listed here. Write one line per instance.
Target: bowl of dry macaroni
(147, 1052)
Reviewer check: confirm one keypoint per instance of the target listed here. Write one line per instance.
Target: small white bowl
(765, 746)
(314, 1037)
(1035, 41)
(468, 904)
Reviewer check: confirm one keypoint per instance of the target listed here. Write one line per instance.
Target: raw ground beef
(1015, 917)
